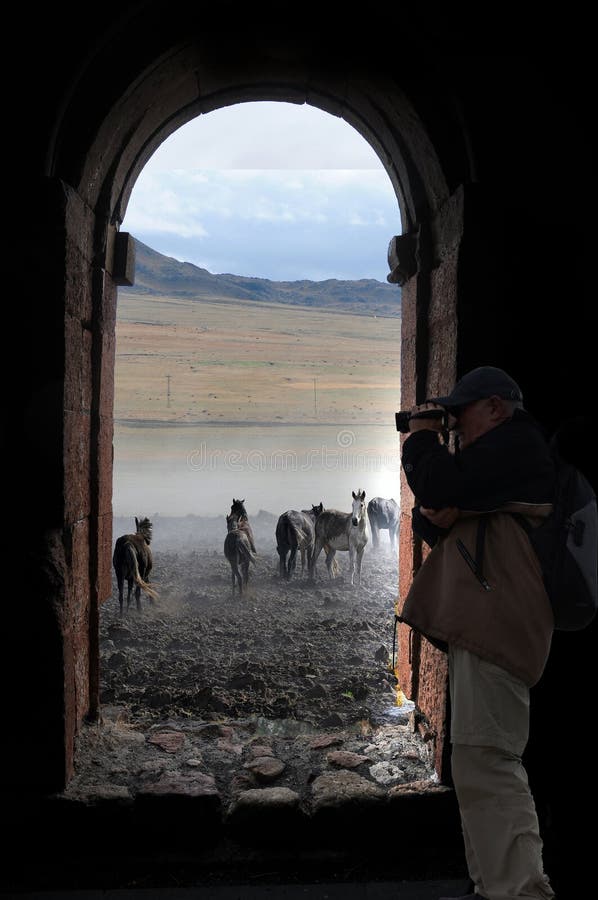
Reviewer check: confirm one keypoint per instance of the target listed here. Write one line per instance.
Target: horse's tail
(245, 527)
(286, 535)
(248, 553)
(131, 554)
(294, 535)
(237, 547)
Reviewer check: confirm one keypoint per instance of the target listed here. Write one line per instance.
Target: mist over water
(178, 471)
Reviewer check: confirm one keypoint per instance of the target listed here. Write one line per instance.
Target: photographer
(480, 597)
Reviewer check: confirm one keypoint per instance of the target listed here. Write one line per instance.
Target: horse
(238, 509)
(384, 515)
(237, 549)
(342, 531)
(132, 560)
(295, 531)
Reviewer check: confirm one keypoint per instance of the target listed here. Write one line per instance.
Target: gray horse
(384, 516)
(237, 549)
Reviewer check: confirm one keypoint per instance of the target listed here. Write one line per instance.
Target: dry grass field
(225, 387)
(237, 362)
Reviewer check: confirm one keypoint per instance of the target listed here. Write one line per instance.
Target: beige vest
(511, 623)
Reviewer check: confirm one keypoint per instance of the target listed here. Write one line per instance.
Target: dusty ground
(292, 681)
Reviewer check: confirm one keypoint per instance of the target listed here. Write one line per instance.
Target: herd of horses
(306, 532)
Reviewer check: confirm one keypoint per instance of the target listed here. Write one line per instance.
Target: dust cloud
(197, 471)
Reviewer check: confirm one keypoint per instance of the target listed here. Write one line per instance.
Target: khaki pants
(489, 731)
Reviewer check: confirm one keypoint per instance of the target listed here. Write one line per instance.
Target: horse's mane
(144, 527)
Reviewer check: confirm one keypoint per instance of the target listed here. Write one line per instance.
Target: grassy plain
(196, 361)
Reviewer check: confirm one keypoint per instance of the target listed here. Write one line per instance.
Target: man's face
(471, 421)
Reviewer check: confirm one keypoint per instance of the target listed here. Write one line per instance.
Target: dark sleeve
(430, 470)
(510, 462)
(425, 529)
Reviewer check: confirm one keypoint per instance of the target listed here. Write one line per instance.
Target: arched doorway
(103, 181)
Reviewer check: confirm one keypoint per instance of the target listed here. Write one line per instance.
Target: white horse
(342, 531)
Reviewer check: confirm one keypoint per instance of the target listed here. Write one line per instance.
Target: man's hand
(432, 424)
(442, 518)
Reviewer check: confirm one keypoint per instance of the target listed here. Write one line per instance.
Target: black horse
(295, 531)
(384, 516)
(132, 561)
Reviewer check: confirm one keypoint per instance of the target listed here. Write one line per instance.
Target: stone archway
(96, 153)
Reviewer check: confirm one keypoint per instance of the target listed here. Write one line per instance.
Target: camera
(402, 418)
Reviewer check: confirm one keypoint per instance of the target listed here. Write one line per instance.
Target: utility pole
(315, 400)
(168, 390)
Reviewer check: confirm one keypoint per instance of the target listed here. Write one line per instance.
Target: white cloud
(268, 135)
(295, 216)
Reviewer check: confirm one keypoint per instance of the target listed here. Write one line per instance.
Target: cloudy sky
(273, 190)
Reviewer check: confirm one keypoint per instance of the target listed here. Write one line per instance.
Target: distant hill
(160, 275)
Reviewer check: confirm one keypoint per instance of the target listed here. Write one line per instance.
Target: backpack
(566, 544)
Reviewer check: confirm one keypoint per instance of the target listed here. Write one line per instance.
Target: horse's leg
(309, 549)
(314, 557)
(121, 584)
(330, 554)
(281, 562)
(129, 591)
(375, 536)
(352, 562)
(359, 558)
(292, 561)
(238, 570)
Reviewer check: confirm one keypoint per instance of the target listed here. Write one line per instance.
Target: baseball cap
(485, 381)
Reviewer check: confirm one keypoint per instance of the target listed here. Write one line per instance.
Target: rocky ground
(289, 688)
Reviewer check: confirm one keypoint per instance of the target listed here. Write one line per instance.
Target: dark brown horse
(238, 509)
(295, 531)
(237, 549)
(132, 561)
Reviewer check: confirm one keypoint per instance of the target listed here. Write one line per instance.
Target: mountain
(160, 275)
